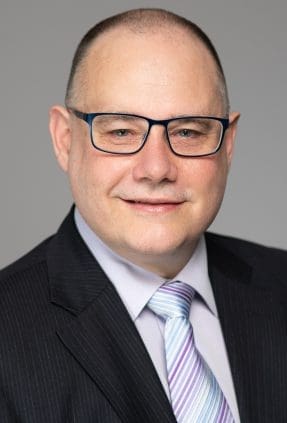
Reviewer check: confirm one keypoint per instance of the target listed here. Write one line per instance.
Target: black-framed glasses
(188, 136)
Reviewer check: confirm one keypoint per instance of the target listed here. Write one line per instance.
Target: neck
(166, 266)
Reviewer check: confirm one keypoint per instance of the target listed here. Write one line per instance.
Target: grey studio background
(37, 41)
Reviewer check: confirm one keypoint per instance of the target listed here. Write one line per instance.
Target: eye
(120, 132)
(187, 133)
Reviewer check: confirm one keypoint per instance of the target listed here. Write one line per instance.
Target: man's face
(150, 207)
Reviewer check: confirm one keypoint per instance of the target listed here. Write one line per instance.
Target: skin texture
(159, 75)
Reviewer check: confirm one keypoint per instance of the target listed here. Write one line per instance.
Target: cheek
(82, 173)
(208, 181)
(92, 177)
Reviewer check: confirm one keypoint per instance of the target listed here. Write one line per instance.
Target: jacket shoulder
(31, 259)
(254, 254)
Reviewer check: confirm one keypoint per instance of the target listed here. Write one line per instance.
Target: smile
(157, 206)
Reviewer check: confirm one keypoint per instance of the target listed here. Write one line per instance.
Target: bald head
(142, 23)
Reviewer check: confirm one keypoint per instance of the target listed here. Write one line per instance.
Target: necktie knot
(172, 300)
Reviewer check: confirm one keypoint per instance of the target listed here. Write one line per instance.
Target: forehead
(149, 68)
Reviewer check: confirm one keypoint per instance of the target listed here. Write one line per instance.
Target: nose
(155, 163)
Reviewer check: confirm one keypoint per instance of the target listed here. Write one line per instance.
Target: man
(146, 139)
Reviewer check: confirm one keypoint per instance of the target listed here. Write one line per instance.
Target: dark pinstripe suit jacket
(70, 353)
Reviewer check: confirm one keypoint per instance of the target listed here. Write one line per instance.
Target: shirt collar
(136, 285)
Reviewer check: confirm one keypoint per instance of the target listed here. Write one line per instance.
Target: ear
(60, 130)
(230, 135)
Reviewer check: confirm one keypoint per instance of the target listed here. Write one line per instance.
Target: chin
(155, 245)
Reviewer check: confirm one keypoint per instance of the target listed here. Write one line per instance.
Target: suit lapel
(101, 335)
(254, 324)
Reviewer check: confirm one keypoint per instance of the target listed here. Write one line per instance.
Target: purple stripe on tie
(194, 387)
(187, 373)
(194, 383)
(178, 362)
(178, 338)
(190, 383)
(222, 412)
(179, 297)
(186, 294)
(186, 403)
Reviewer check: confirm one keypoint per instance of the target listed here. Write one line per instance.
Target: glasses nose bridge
(162, 122)
(155, 122)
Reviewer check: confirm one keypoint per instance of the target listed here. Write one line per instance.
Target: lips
(153, 205)
(153, 201)
(156, 202)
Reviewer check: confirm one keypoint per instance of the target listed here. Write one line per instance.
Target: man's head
(152, 206)
(140, 22)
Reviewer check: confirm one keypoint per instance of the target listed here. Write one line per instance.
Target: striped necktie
(195, 394)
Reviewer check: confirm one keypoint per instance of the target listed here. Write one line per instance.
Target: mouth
(153, 205)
